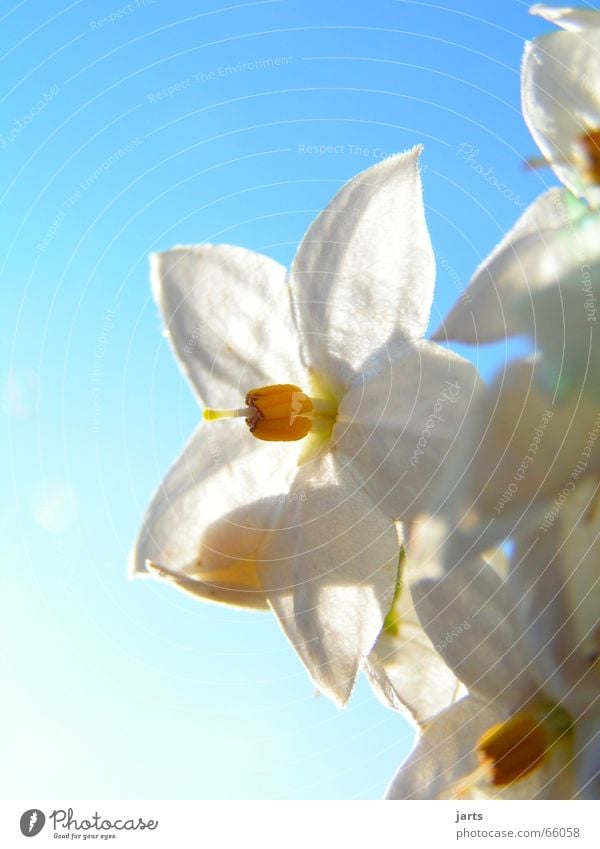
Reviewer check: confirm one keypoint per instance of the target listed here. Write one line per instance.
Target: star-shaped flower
(552, 254)
(349, 417)
(529, 658)
(560, 90)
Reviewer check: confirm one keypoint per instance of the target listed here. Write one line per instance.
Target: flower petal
(519, 447)
(398, 429)
(554, 236)
(227, 314)
(404, 669)
(445, 752)
(555, 576)
(362, 279)
(469, 614)
(567, 17)
(562, 319)
(561, 102)
(337, 570)
(210, 519)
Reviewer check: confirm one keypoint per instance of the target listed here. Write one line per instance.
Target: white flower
(529, 727)
(553, 249)
(560, 89)
(330, 361)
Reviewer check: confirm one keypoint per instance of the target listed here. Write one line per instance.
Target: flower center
(516, 747)
(512, 749)
(585, 157)
(588, 156)
(282, 413)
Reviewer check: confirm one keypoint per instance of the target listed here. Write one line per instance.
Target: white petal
(561, 101)
(549, 240)
(445, 752)
(555, 575)
(519, 447)
(405, 671)
(228, 317)
(469, 615)
(562, 320)
(398, 429)
(567, 17)
(208, 522)
(337, 567)
(363, 276)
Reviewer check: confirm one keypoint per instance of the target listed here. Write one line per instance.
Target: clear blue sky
(127, 128)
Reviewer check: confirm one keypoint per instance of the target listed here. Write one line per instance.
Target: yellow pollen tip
(512, 749)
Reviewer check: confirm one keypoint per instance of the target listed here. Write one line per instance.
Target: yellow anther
(514, 748)
(279, 413)
(282, 413)
(588, 157)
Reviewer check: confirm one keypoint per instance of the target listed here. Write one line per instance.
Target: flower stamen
(585, 157)
(588, 156)
(511, 750)
(281, 413)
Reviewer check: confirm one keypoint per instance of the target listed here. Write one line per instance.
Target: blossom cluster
(400, 517)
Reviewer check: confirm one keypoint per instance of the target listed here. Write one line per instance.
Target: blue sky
(126, 128)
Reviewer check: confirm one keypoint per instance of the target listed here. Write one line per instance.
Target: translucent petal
(398, 430)
(227, 314)
(470, 615)
(519, 447)
(405, 671)
(210, 519)
(332, 573)
(555, 575)
(444, 753)
(363, 276)
(567, 17)
(554, 237)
